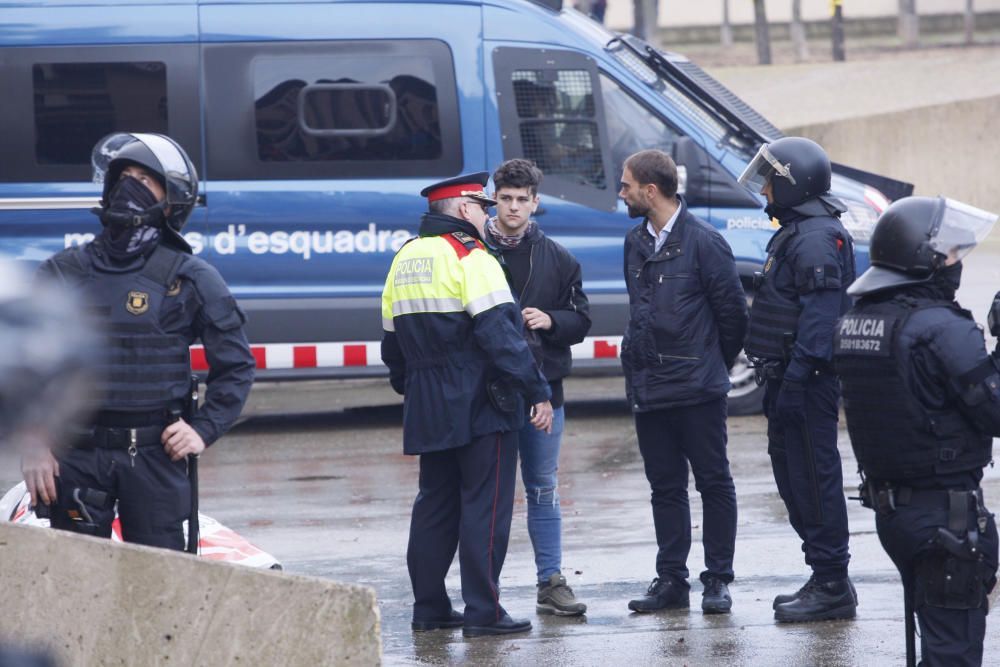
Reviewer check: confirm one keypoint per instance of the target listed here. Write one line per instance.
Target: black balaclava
(941, 286)
(124, 241)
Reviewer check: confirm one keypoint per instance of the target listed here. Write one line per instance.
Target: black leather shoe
(662, 594)
(789, 597)
(820, 602)
(454, 620)
(505, 626)
(715, 599)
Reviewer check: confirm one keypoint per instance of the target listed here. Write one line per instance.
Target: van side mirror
(705, 182)
(682, 179)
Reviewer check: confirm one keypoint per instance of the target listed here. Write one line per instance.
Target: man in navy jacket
(688, 316)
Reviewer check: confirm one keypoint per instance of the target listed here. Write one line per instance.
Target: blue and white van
(314, 124)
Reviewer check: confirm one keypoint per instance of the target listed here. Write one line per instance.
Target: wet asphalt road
(314, 475)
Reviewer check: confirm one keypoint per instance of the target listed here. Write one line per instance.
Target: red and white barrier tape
(286, 356)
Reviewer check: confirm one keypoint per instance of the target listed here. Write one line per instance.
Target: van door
(317, 150)
(551, 110)
(61, 98)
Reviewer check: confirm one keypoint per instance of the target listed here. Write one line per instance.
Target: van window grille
(75, 104)
(558, 124)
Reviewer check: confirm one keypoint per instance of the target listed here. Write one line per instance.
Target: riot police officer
(798, 298)
(152, 299)
(922, 400)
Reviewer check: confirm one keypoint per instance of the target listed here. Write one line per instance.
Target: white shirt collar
(661, 238)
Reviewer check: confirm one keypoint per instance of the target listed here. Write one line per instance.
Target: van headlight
(861, 216)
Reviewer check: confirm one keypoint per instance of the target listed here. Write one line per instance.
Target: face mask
(131, 195)
(949, 278)
(130, 201)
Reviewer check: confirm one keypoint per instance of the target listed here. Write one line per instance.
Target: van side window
(631, 126)
(75, 104)
(551, 111)
(558, 123)
(338, 109)
(59, 101)
(318, 109)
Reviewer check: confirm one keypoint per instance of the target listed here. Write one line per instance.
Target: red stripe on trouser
(493, 523)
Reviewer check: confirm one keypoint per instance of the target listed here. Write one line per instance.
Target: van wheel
(745, 398)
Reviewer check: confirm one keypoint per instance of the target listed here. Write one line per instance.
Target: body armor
(774, 319)
(142, 367)
(893, 435)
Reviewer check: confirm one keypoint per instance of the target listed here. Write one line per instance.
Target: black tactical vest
(774, 319)
(143, 368)
(893, 435)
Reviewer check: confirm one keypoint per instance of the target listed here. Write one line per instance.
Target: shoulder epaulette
(463, 243)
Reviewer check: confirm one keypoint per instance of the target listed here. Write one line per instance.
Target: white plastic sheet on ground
(216, 542)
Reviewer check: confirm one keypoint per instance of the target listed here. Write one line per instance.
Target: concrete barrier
(91, 602)
(948, 149)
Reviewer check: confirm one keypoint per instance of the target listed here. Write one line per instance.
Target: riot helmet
(798, 170)
(168, 163)
(916, 237)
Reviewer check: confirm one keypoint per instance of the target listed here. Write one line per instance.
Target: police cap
(466, 185)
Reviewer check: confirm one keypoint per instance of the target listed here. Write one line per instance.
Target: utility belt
(117, 430)
(765, 370)
(885, 498)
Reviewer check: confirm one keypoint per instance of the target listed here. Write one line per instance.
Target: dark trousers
(154, 496)
(806, 465)
(948, 637)
(669, 440)
(466, 500)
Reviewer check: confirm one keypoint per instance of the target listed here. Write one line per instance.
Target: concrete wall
(709, 12)
(91, 602)
(946, 149)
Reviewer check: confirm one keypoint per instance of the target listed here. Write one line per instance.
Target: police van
(315, 124)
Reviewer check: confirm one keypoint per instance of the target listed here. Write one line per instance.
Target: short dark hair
(518, 173)
(656, 167)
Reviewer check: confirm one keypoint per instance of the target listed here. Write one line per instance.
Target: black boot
(820, 602)
(790, 597)
(666, 593)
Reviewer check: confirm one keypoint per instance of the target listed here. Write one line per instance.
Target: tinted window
(397, 109)
(75, 104)
(631, 126)
(558, 123)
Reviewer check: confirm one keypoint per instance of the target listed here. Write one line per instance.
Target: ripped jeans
(539, 452)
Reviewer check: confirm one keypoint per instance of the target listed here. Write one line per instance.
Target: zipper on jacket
(675, 356)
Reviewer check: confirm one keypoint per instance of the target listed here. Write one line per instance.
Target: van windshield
(716, 128)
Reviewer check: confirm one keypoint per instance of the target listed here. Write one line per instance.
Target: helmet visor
(962, 228)
(762, 169)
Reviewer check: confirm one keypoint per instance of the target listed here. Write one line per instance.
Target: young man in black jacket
(687, 318)
(546, 279)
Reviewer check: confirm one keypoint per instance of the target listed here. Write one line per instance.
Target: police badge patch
(137, 302)
(865, 335)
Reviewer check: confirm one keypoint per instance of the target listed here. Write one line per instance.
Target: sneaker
(557, 598)
(662, 594)
(829, 601)
(715, 599)
(789, 597)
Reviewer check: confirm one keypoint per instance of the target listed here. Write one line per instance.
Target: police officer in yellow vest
(454, 344)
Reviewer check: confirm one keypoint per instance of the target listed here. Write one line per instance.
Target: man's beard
(637, 210)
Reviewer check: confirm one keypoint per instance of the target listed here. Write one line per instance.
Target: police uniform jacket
(453, 340)
(809, 266)
(152, 308)
(921, 396)
(688, 315)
